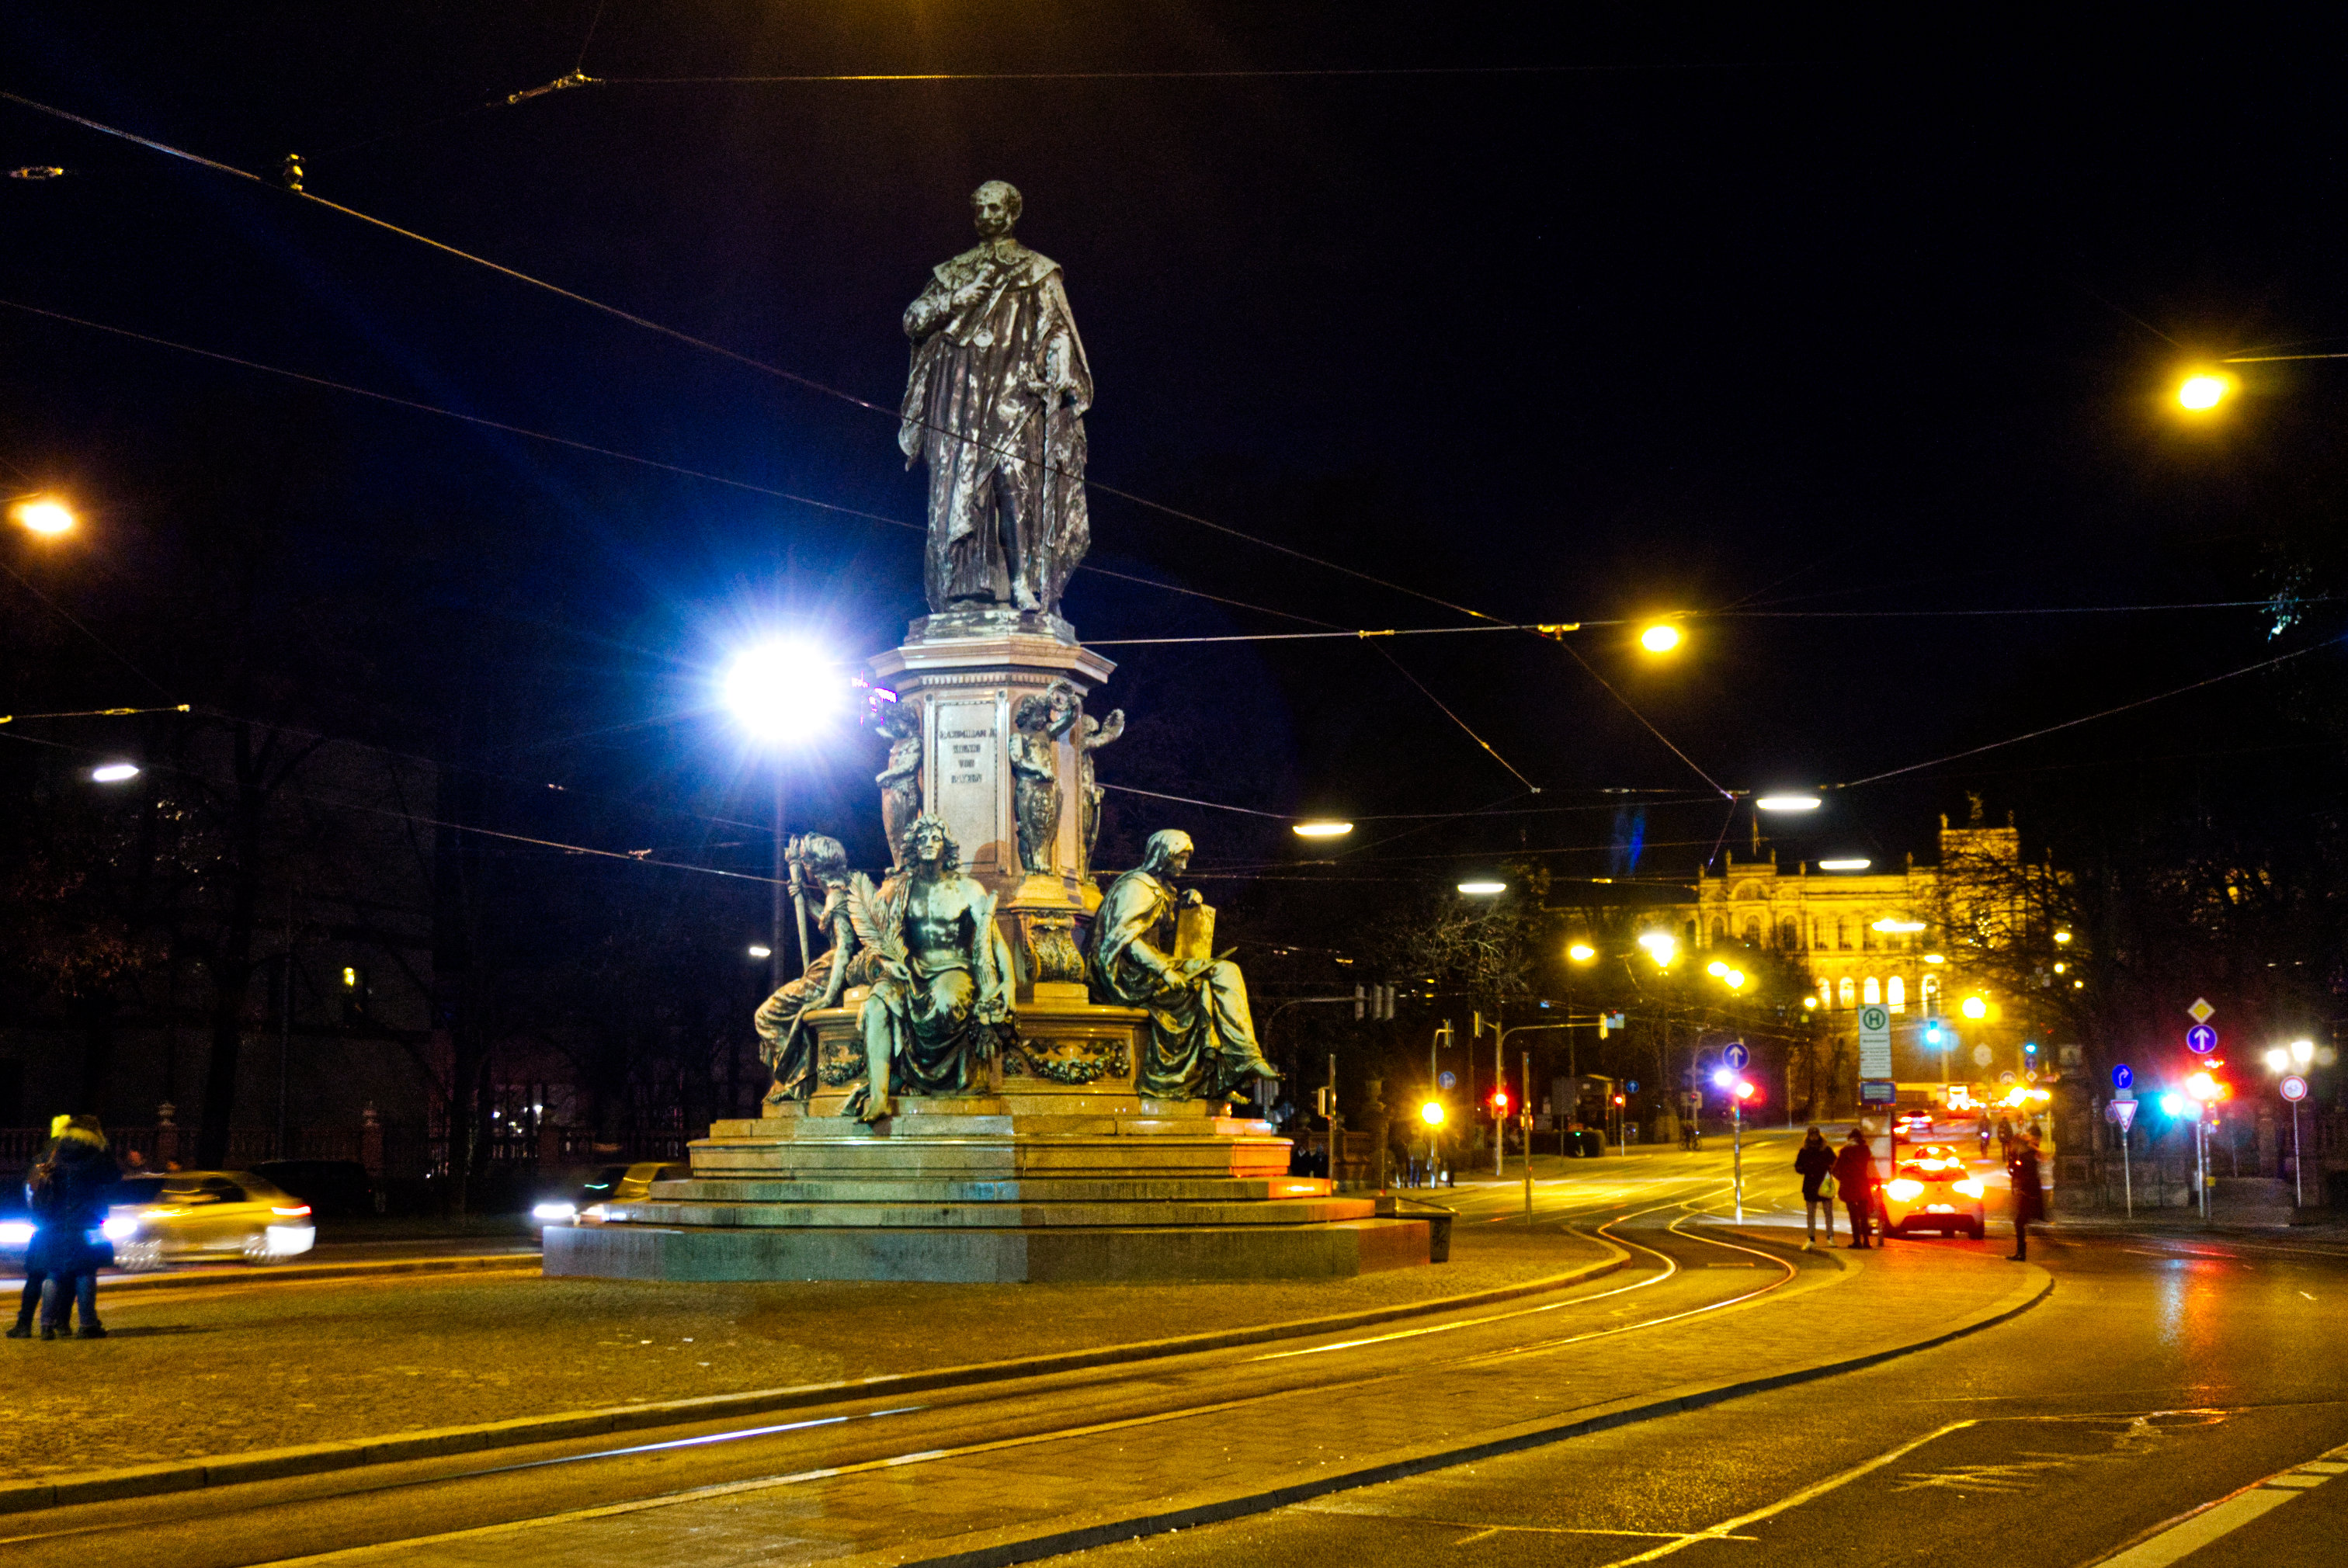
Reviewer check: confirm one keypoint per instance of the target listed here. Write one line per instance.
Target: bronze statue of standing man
(995, 406)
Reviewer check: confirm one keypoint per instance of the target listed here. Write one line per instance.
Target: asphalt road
(2164, 1375)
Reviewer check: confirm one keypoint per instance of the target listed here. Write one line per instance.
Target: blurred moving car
(621, 1184)
(1932, 1189)
(196, 1215)
(335, 1189)
(1917, 1123)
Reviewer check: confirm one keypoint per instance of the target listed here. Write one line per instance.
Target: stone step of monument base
(1000, 1159)
(1148, 1212)
(996, 1115)
(977, 1255)
(1040, 1190)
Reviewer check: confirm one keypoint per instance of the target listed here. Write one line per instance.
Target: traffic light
(1376, 1003)
(1360, 994)
(2030, 1049)
(355, 995)
(1618, 1100)
(1499, 1102)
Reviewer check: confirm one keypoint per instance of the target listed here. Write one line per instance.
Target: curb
(273, 1464)
(1004, 1548)
(275, 1274)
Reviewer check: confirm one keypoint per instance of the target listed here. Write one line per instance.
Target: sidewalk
(1007, 1500)
(201, 1372)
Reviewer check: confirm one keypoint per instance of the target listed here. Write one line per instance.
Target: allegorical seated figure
(942, 980)
(784, 1042)
(1201, 1040)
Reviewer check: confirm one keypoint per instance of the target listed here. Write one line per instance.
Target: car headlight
(120, 1227)
(1905, 1190)
(15, 1233)
(556, 1212)
(1971, 1186)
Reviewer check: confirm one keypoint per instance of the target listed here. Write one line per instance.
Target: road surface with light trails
(2147, 1386)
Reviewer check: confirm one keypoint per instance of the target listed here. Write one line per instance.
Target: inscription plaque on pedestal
(968, 751)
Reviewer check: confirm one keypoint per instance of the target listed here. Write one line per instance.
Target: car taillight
(293, 1213)
(1906, 1190)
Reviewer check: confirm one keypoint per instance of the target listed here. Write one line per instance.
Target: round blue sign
(1635, 1086)
(1448, 1079)
(2123, 1076)
(1736, 1056)
(2201, 1039)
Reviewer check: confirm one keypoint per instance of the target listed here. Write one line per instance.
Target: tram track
(954, 1424)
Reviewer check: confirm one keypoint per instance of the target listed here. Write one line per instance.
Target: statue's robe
(937, 1024)
(1202, 1041)
(1008, 521)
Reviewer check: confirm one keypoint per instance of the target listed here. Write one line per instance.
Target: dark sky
(1703, 315)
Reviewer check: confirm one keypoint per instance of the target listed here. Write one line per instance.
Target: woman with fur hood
(66, 1191)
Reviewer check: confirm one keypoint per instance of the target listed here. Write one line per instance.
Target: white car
(197, 1214)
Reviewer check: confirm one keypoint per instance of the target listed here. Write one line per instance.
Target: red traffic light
(1743, 1089)
(1618, 1100)
(1499, 1101)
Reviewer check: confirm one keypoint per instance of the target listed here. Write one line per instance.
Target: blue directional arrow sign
(2201, 1039)
(1736, 1055)
(2123, 1076)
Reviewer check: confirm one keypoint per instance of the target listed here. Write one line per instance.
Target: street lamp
(1660, 638)
(114, 773)
(782, 691)
(1581, 952)
(1483, 890)
(1321, 829)
(2204, 390)
(1975, 1007)
(1788, 803)
(1847, 863)
(2303, 1051)
(42, 514)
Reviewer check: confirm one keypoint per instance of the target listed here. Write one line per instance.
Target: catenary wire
(2105, 714)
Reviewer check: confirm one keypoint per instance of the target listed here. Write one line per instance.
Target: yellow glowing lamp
(1716, 968)
(1660, 638)
(1581, 952)
(2203, 391)
(1432, 1113)
(44, 516)
(1975, 1007)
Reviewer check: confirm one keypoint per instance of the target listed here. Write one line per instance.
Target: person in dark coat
(2029, 1194)
(1854, 1174)
(72, 1248)
(1814, 1162)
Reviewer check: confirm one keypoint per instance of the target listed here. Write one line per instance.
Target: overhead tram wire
(735, 356)
(812, 385)
(2105, 714)
(420, 408)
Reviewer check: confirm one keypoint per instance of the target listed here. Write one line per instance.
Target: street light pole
(778, 963)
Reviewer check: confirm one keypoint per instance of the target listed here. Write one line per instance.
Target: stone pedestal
(966, 672)
(1057, 1171)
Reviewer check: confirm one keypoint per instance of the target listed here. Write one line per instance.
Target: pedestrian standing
(74, 1248)
(2005, 1139)
(1815, 1163)
(1854, 1180)
(2029, 1194)
(40, 1199)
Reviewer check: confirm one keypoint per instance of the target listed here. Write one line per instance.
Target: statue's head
(927, 843)
(995, 208)
(1033, 712)
(897, 720)
(825, 859)
(1060, 707)
(1168, 853)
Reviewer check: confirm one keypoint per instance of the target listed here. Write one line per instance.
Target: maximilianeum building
(1864, 935)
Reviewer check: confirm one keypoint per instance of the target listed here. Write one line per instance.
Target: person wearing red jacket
(1855, 1183)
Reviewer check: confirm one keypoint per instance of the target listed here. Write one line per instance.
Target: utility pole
(1525, 1120)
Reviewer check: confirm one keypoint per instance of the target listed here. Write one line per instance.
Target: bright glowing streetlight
(1321, 829)
(114, 773)
(2303, 1051)
(1736, 978)
(2278, 1059)
(1581, 952)
(1788, 803)
(783, 691)
(1661, 946)
(1975, 1007)
(1715, 968)
(1660, 638)
(1483, 890)
(760, 950)
(1848, 863)
(43, 515)
(1899, 926)
(1432, 1113)
(2204, 390)
(2062, 935)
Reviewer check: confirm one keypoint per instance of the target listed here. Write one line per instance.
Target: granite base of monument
(1057, 1171)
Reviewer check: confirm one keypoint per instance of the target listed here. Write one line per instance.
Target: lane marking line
(2200, 1529)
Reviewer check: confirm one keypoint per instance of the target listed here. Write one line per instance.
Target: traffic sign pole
(2294, 1089)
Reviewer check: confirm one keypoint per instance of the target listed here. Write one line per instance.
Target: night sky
(1696, 317)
